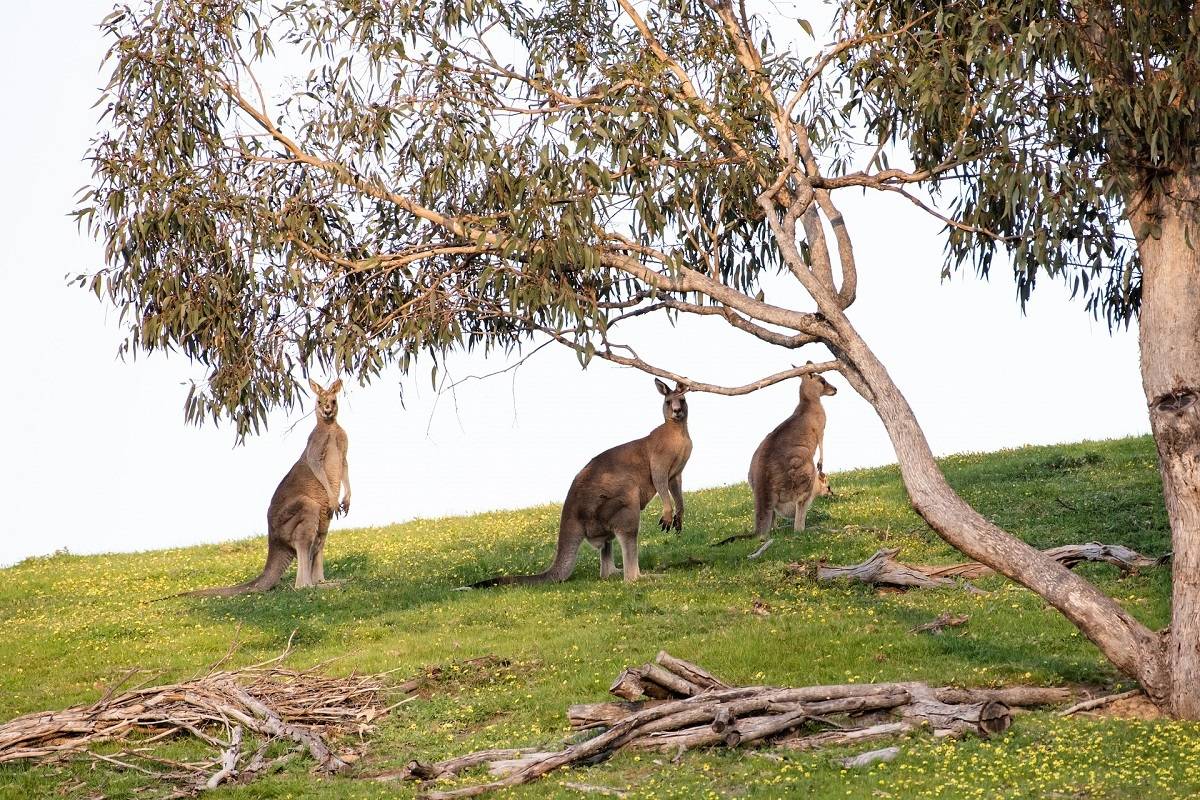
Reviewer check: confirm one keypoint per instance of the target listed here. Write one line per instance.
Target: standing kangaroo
(606, 498)
(782, 476)
(303, 503)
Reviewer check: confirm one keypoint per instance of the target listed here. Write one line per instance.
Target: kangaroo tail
(278, 558)
(570, 537)
(764, 513)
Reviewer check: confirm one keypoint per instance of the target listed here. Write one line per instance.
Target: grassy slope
(68, 624)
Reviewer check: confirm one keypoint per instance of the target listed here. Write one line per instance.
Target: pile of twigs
(674, 706)
(264, 701)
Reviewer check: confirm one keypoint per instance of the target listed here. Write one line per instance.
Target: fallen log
(689, 671)
(836, 738)
(422, 771)
(719, 715)
(668, 680)
(632, 683)
(601, 715)
(668, 677)
(882, 569)
(1069, 555)
(982, 719)
(1015, 696)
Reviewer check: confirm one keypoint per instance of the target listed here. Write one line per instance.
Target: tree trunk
(1133, 648)
(1169, 336)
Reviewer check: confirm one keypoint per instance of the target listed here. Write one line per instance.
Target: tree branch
(696, 386)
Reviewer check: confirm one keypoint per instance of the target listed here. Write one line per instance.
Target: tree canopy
(437, 175)
(1066, 114)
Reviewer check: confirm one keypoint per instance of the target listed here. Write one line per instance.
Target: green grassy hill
(69, 624)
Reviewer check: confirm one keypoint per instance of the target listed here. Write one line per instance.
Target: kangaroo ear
(336, 387)
(663, 389)
(316, 387)
(680, 388)
(808, 363)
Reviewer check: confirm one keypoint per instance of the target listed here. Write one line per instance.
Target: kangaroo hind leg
(625, 527)
(764, 518)
(318, 555)
(607, 565)
(304, 539)
(801, 515)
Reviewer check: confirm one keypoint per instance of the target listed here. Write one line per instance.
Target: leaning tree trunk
(1169, 336)
(1132, 647)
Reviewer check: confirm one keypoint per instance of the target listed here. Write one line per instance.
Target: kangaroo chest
(676, 449)
(330, 450)
(333, 462)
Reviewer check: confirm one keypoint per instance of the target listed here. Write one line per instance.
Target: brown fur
(303, 503)
(606, 498)
(782, 476)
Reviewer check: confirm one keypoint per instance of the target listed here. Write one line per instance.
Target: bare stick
(1098, 702)
(229, 760)
(588, 788)
(867, 759)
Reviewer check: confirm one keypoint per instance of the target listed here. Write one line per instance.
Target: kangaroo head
(674, 404)
(326, 399)
(822, 488)
(814, 387)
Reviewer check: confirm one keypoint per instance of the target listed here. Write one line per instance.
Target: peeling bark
(1169, 341)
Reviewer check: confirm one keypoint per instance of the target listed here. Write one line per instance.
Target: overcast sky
(97, 456)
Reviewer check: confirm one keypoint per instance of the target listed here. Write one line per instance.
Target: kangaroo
(782, 476)
(607, 497)
(303, 503)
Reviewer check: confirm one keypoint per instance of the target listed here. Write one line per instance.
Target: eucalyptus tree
(481, 173)
(1080, 124)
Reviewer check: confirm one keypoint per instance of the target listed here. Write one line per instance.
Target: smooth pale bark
(1130, 646)
(1169, 336)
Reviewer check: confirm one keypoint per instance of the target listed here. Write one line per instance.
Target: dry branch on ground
(674, 706)
(882, 568)
(943, 621)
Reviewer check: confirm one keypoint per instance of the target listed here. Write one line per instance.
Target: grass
(70, 624)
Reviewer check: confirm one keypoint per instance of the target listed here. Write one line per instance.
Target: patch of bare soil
(1136, 707)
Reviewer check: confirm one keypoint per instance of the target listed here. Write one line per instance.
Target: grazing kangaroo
(606, 498)
(303, 503)
(782, 476)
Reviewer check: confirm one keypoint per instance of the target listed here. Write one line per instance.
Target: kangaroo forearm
(663, 488)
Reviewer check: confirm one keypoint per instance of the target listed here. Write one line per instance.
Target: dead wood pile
(674, 706)
(241, 713)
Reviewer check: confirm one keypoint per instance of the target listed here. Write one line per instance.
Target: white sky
(97, 456)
